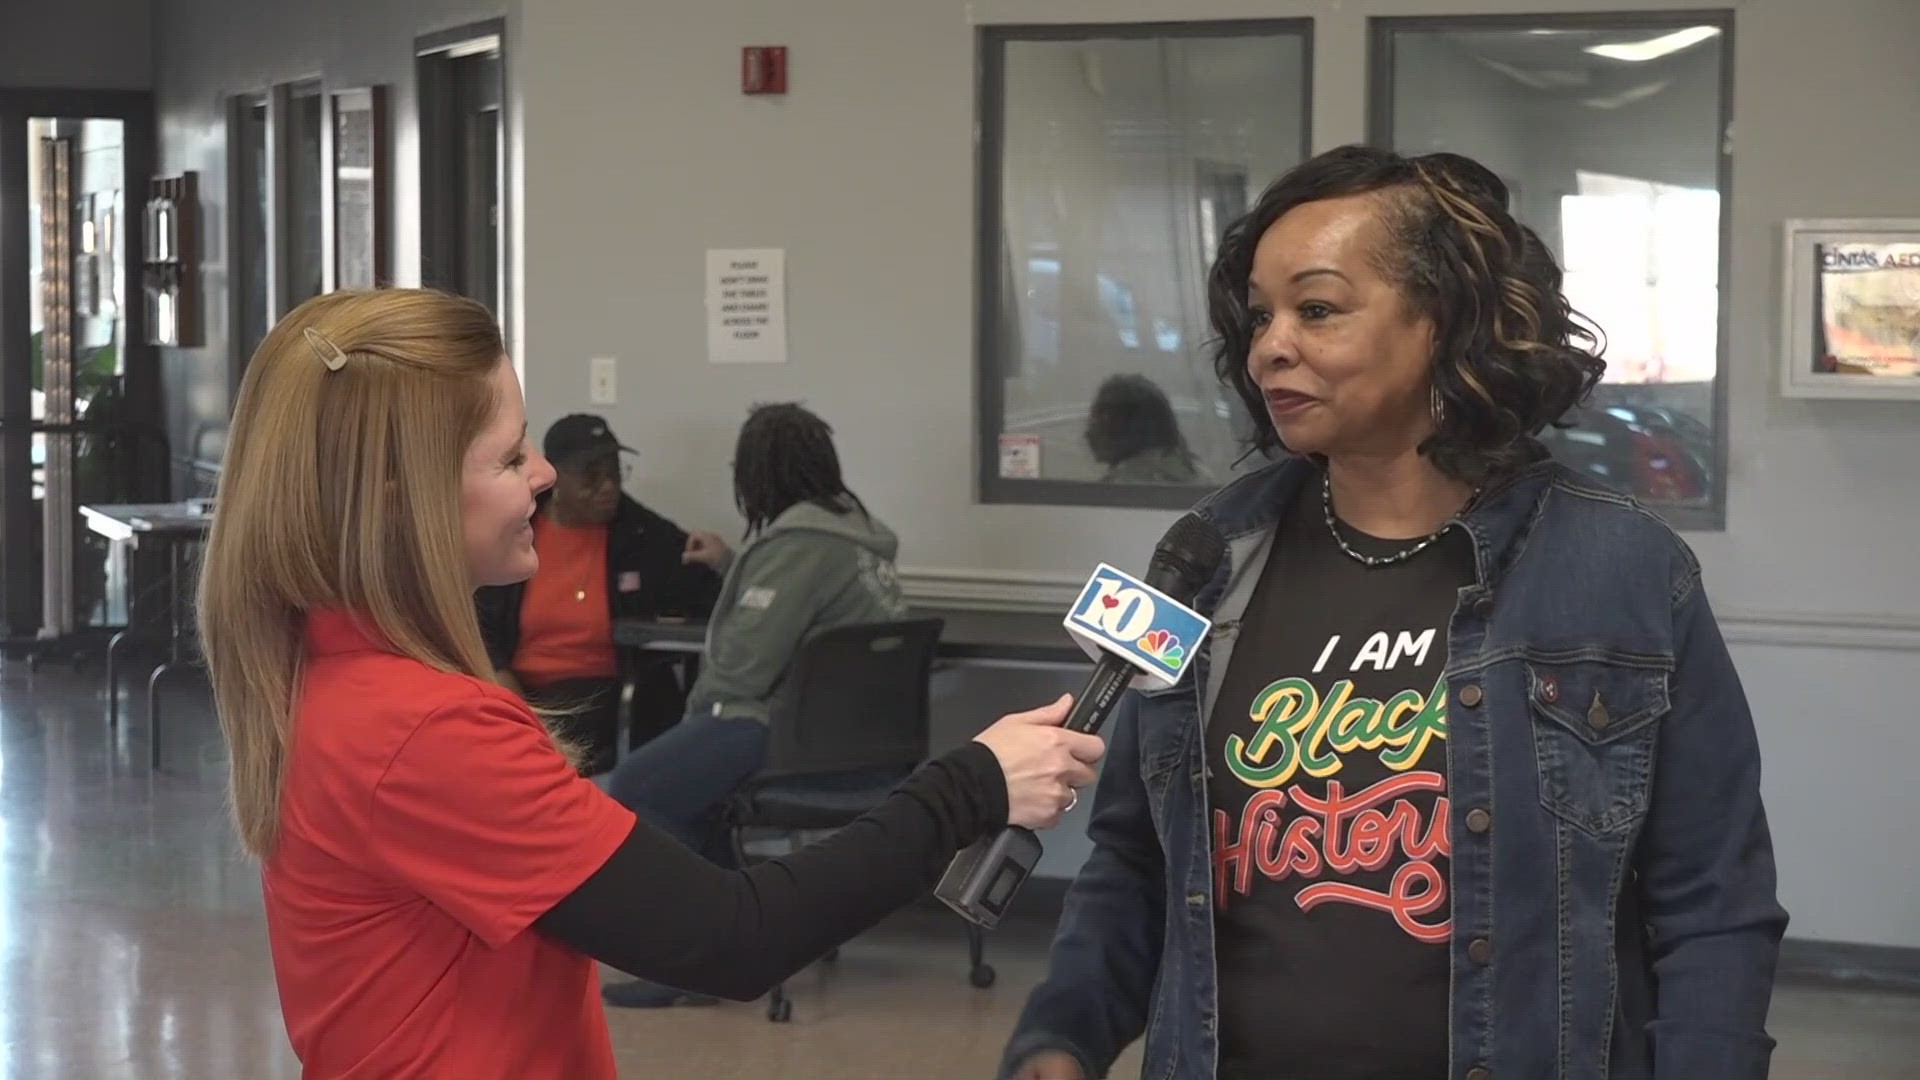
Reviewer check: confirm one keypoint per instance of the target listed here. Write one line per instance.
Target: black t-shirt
(1327, 790)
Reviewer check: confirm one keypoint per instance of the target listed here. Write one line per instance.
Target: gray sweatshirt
(811, 570)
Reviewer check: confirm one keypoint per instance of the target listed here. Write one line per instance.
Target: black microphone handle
(1111, 676)
(981, 880)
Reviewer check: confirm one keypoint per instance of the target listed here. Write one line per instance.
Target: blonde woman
(438, 878)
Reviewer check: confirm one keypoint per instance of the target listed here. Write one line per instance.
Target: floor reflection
(132, 943)
(131, 938)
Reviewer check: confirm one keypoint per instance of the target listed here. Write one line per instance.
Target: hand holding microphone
(1045, 763)
(1134, 627)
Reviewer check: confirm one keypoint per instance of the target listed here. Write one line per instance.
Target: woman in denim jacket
(1464, 783)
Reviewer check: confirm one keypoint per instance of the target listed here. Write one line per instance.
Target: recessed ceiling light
(1654, 48)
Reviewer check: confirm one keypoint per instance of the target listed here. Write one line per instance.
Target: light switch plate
(603, 381)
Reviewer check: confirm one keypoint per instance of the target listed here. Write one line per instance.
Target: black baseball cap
(581, 438)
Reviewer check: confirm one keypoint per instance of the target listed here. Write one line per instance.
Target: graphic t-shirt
(1327, 757)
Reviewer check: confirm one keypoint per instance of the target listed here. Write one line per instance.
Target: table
(1017, 639)
(129, 526)
(1028, 639)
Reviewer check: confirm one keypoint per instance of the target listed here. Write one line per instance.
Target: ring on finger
(1073, 800)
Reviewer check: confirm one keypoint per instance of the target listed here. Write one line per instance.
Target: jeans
(679, 781)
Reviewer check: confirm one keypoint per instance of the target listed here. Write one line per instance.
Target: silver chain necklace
(1326, 503)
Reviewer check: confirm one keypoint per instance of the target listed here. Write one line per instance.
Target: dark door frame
(20, 584)
(442, 220)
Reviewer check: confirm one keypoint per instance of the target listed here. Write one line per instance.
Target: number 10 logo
(1118, 610)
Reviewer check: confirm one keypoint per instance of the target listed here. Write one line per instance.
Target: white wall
(76, 44)
(641, 153)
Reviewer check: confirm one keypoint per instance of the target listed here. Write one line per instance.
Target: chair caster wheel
(780, 1012)
(982, 976)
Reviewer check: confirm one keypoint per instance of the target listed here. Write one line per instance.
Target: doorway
(463, 163)
(78, 389)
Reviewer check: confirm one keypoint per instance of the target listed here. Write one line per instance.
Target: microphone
(1131, 628)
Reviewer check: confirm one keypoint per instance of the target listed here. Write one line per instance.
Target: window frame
(989, 158)
(1712, 515)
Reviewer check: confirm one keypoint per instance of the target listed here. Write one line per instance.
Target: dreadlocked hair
(785, 457)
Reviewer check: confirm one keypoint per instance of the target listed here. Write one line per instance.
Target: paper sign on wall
(1020, 457)
(747, 306)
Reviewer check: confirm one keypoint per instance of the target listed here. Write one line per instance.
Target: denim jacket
(1613, 897)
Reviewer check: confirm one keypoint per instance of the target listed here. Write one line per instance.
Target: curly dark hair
(1511, 356)
(785, 457)
(1131, 415)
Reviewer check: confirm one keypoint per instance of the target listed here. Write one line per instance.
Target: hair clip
(327, 351)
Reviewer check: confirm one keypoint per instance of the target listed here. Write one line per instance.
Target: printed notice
(1020, 457)
(747, 306)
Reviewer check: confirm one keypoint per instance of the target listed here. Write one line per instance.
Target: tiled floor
(131, 943)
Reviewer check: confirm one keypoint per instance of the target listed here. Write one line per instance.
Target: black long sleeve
(658, 911)
(690, 591)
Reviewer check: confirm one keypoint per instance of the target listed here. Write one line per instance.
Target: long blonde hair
(341, 488)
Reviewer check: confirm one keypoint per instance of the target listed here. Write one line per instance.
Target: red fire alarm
(763, 69)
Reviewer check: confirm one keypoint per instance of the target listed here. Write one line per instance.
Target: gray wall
(642, 153)
(95, 44)
(210, 50)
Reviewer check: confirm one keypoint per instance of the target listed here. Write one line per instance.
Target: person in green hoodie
(813, 559)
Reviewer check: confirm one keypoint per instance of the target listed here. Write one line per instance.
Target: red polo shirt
(426, 822)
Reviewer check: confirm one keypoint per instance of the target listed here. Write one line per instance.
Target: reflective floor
(132, 944)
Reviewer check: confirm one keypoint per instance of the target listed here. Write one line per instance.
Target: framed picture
(356, 183)
(1851, 309)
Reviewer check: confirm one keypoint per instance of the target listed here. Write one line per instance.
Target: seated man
(814, 559)
(603, 556)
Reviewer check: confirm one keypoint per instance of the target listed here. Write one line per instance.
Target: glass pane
(476, 81)
(76, 302)
(305, 258)
(37, 132)
(1610, 141)
(252, 303)
(481, 209)
(356, 233)
(1121, 162)
(104, 459)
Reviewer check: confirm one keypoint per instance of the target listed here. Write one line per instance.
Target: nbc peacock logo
(1163, 647)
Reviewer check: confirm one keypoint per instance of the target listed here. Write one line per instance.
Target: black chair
(847, 724)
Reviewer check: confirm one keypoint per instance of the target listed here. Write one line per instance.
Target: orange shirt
(425, 823)
(566, 622)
